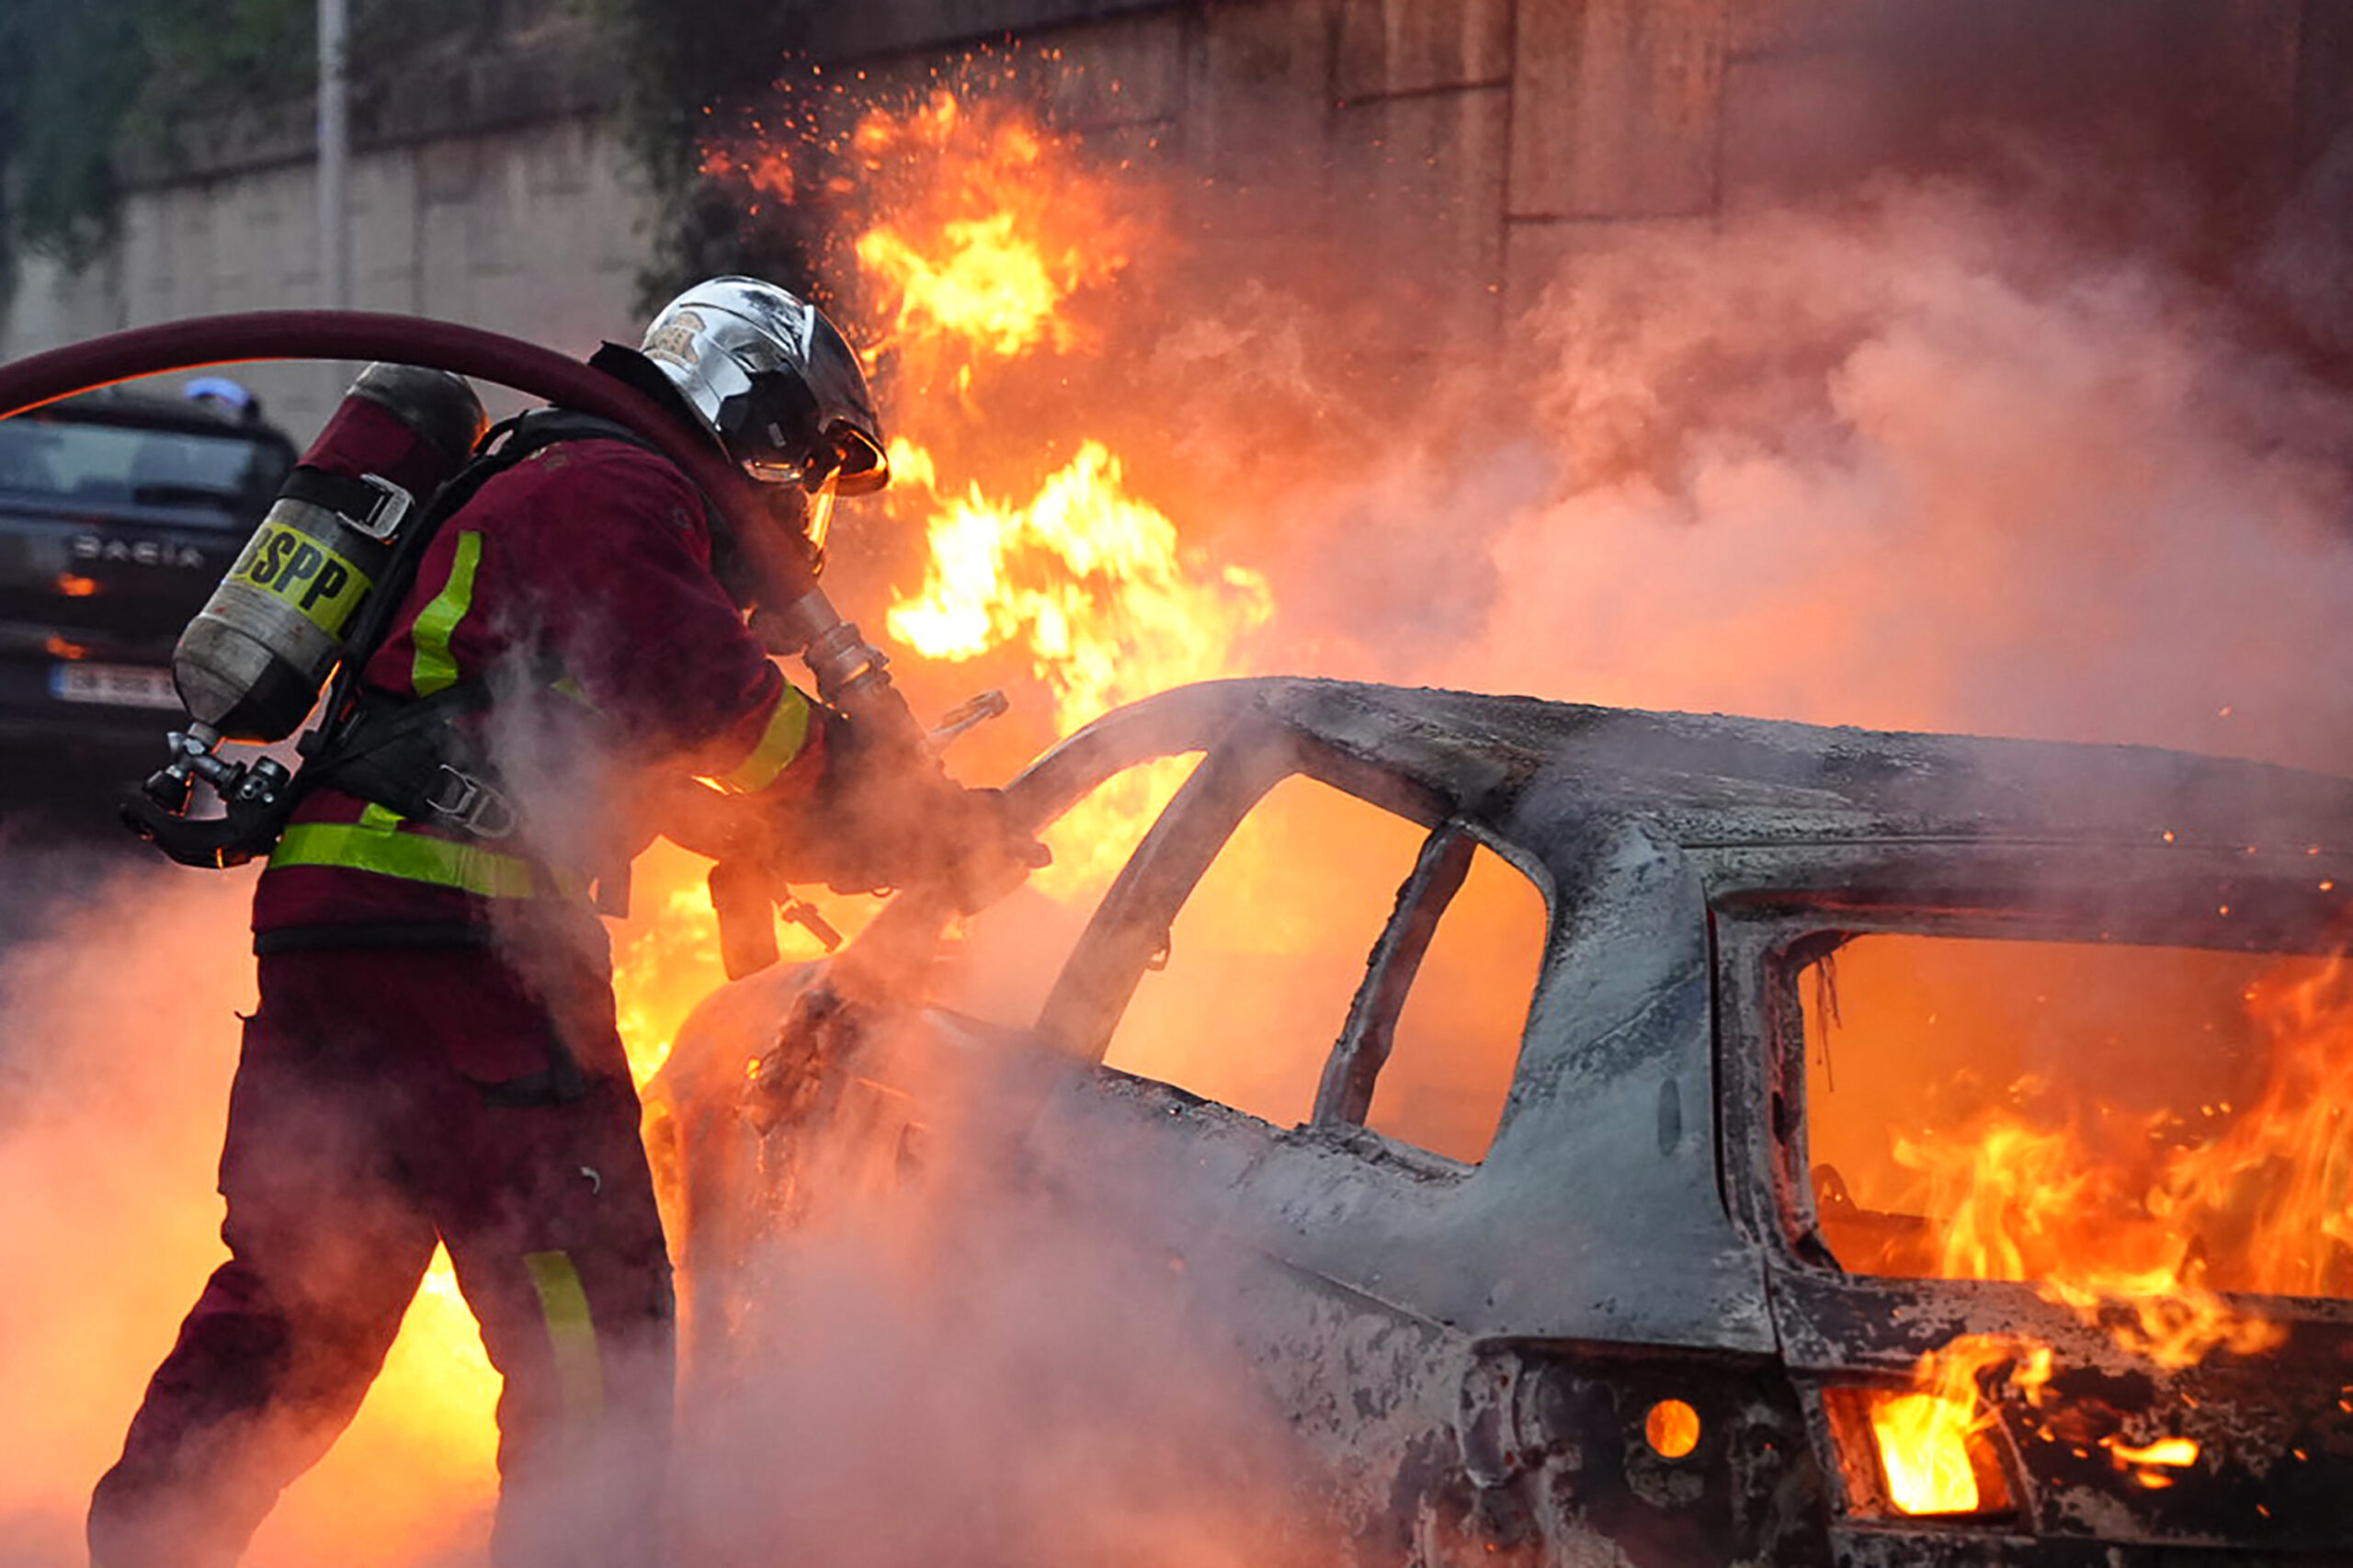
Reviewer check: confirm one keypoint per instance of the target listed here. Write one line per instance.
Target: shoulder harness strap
(407, 754)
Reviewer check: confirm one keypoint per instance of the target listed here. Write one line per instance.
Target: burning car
(1746, 1141)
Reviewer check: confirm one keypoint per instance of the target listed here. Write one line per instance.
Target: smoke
(1920, 459)
(111, 1119)
(956, 1371)
(946, 1370)
(122, 1028)
(1930, 453)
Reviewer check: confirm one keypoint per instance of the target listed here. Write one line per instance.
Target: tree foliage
(68, 77)
(80, 84)
(699, 70)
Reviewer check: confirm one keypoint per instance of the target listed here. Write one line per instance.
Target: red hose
(409, 340)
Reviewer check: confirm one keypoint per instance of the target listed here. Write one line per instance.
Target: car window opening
(1268, 955)
(2110, 1118)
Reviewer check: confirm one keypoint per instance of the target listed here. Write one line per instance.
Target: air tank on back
(250, 666)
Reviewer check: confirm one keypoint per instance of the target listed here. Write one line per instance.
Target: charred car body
(119, 512)
(1668, 1292)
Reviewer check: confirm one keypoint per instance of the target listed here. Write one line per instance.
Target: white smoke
(1914, 461)
(121, 1024)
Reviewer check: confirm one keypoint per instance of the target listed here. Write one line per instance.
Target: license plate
(120, 685)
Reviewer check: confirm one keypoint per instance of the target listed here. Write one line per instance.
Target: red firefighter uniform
(435, 1056)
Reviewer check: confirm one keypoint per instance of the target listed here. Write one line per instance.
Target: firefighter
(435, 1056)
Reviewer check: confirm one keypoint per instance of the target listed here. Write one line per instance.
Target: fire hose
(796, 617)
(849, 672)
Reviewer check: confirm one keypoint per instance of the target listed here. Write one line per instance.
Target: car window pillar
(1344, 1095)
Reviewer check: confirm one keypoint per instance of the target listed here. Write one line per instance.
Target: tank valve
(251, 795)
(173, 785)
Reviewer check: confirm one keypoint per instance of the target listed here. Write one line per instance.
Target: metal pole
(334, 173)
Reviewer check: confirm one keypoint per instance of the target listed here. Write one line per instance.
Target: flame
(768, 170)
(991, 233)
(2037, 1205)
(1090, 580)
(1092, 586)
(438, 1377)
(1923, 1436)
(1924, 1448)
(2149, 1219)
(2174, 1452)
(2147, 1464)
(2287, 1161)
(1087, 580)
(666, 953)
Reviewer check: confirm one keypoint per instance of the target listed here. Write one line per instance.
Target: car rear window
(228, 473)
(2099, 1114)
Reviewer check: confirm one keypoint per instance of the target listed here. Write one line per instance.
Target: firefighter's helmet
(778, 384)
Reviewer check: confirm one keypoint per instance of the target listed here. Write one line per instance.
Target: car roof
(1709, 779)
(154, 410)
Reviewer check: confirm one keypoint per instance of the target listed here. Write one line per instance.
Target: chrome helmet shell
(776, 383)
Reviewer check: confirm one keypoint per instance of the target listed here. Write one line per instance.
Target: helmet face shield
(820, 520)
(804, 490)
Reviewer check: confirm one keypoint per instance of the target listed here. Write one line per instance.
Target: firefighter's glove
(885, 815)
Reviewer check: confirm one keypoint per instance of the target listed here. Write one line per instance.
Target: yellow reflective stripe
(435, 667)
(412, 856)
(787, 733)
(572, 1333)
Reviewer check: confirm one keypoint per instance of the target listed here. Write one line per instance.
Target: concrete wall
(493, 193)
(1462, 149)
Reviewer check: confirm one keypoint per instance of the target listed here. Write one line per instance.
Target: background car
(119, 512)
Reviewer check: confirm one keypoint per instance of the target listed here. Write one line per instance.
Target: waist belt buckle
(463, 802)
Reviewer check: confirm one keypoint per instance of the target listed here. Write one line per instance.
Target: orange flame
(2139, 1219)
(1928, 1439)
(990, 238)
(2147, 1464)
(2030, 1204)
(666, 953)
(1093, 584)
(2288, 1161)
(768, 170)
(996, 227)
(1091, 580)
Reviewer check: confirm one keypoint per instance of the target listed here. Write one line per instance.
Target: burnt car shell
(119, 511)
(1474, 1351)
